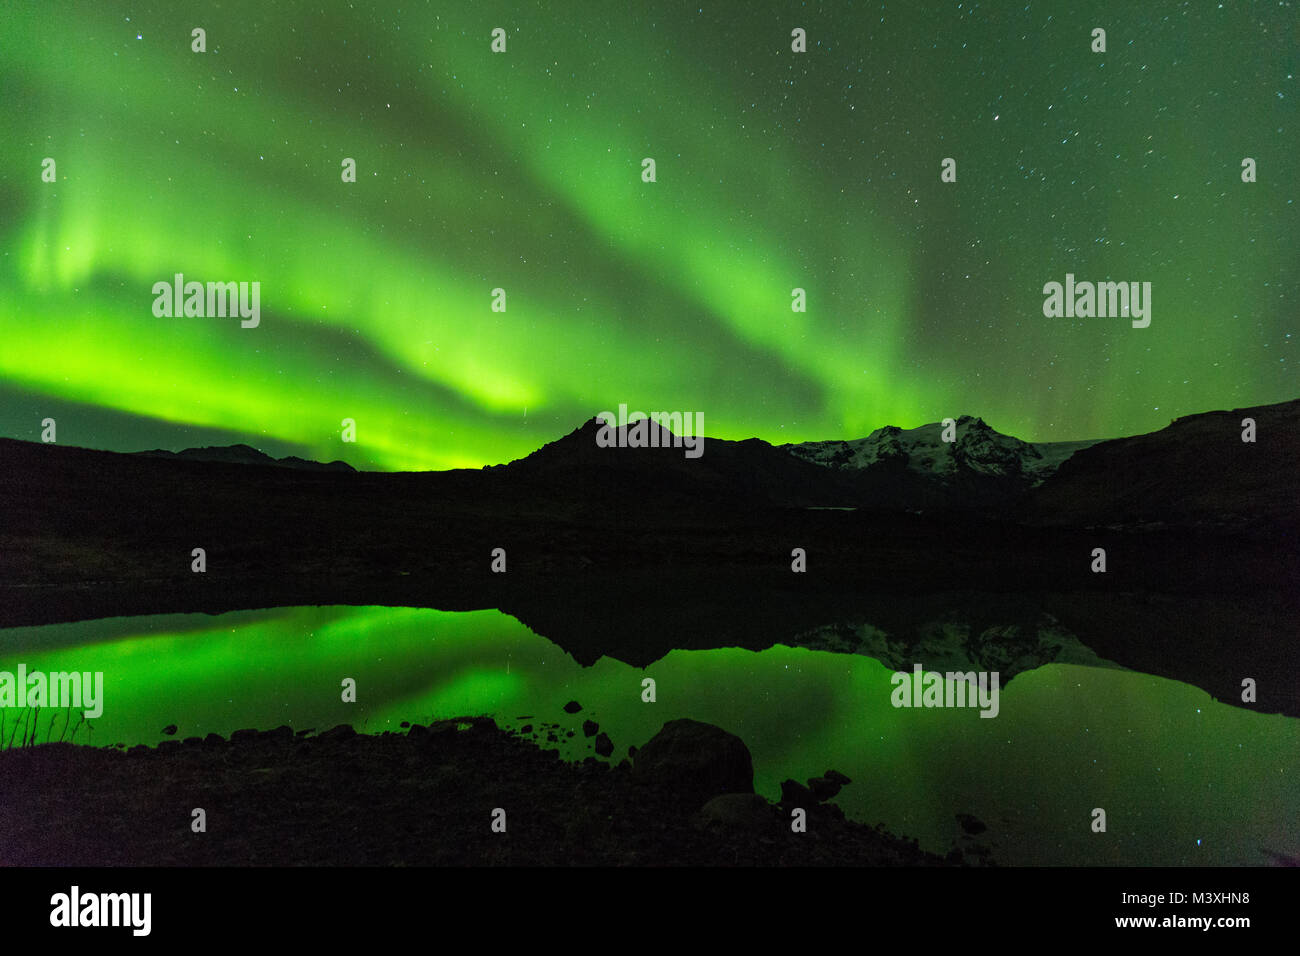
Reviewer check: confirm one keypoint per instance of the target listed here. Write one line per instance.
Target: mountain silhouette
(1190, 509)
(245, 455)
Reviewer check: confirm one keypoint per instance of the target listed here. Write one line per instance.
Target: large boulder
(694, 762)
(795, 794)
(823, 788)
(739, 811)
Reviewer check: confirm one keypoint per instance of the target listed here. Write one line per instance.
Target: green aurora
(522, 171)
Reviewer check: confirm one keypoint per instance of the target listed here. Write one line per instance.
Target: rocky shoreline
(435, 795)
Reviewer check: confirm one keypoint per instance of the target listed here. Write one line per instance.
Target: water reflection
(1183, 779)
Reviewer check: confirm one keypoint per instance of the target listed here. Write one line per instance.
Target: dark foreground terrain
(424, 797)
(1189, 511)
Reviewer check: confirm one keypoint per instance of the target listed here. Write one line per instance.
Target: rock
(971, 824)
(740, 811)
(526, 729)
(243, 735)
(188, 741)
(305, 731)
(589, 728)
(169, 730)
(341, 732)
(281, 734)
(551, 737)
(796, 795)
(138, 749)
(214, 740)
(445, 728)
(605, 746)
(837, 777)
(404, 724)
(417, 730)
(823, 788)
(695, 762)
(572, 707)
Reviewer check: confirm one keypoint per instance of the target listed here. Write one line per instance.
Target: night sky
(523, 170)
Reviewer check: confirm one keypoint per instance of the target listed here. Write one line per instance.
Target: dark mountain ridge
(241, 454)
(1196, 472)
(92, 533)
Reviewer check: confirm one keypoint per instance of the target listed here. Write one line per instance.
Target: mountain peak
(242, 454)
(977, 449)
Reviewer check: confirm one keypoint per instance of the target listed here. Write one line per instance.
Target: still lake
(1183, 779)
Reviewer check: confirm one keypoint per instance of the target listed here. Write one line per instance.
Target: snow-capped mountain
(978, 450)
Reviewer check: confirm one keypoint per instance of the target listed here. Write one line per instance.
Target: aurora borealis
(522, 171)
